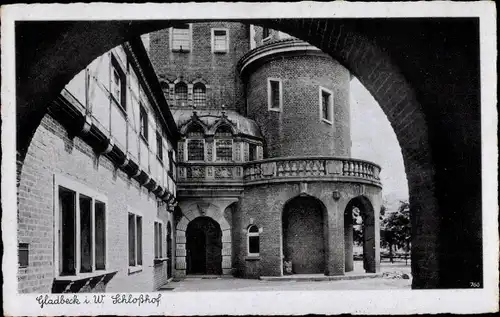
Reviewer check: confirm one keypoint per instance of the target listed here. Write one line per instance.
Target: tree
(396, 229)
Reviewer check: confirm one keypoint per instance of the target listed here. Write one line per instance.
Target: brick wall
(263, 206)
(298, 129)
(53, 152)
(217, 70)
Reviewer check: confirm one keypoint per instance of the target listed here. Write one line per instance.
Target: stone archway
(203, 247)
(304, 235)
(369, 241)
(191, 213)
(50, 54)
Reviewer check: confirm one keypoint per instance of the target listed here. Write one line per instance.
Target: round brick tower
(299, 96)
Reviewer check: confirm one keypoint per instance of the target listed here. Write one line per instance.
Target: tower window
(199, 95)
(253, 240)
(181, 93)
(181, 38)
(266, 34)
(326, 105)
(274, 94)
(220, 40)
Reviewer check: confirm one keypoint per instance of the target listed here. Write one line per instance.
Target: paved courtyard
(382, 281)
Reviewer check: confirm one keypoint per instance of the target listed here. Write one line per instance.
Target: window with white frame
(118, 85)
(199, 95)
(195, 143)
(253, 240)
(274, 94)
(134, 240)
(326, 105)
(223, 144)
(220, 40)
(181, 38)
(158, 241)
(81, 238)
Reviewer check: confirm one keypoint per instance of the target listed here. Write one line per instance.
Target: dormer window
(223, 144)
(196, 143)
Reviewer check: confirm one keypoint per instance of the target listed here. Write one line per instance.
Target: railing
(283, 169)
(209, 171)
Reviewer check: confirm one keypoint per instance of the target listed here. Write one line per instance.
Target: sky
(373, 139)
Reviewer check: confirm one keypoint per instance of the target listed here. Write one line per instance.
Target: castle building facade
(265, 177)
(218, 148)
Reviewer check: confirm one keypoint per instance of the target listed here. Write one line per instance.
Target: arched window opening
(181, 93)
(199, 95)
(253, 240)
(223, 144)
(195, 143)
(166, 89)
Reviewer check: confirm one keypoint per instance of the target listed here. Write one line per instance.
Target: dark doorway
(303, 235)
(204, 247)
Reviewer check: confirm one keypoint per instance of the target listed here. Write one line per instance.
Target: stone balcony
(199, 175)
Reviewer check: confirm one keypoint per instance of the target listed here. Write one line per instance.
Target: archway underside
(50, 54)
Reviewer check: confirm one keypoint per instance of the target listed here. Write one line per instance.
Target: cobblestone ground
(391, 279)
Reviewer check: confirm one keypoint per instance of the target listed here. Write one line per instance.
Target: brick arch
(191, 212)
(42, 75)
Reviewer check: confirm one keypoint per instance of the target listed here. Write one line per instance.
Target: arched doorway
(204, 246)
(359, 228)
(303, 228)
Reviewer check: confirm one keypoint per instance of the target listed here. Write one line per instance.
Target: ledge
(134, 269)
(159, 260)
(83, 276)
(252, 258)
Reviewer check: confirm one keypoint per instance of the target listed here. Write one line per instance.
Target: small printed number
(474, 284)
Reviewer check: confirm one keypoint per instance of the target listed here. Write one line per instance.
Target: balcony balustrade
(281, 170)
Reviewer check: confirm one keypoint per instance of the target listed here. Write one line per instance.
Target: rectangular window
(159, 146)
(224, 150)
(181, 38)
(266, 34)
(326, 105)
(196, 150)
(252, 152)
(81, 233)
(118, 84)
(274, 94)
(134, 240)
(23, 255)
(158, 231)
(143, 115)
(220, 41)
(253, 245)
